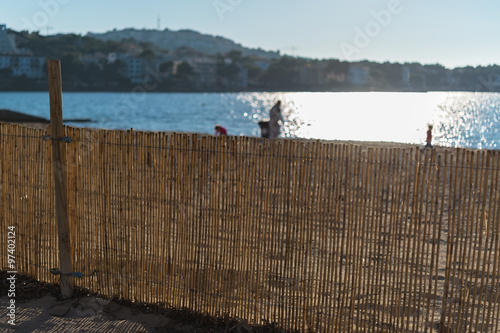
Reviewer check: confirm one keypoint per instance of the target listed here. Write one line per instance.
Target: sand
(375, 144)
(38, 309)
(85, 314)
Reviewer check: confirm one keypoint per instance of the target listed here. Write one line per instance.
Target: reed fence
(311, 236)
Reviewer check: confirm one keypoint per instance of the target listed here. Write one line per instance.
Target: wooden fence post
(60, 177)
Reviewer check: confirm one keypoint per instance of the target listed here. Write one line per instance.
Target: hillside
(171, 40)
(88, 65)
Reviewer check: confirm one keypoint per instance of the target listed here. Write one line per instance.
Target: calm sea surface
(459, 119)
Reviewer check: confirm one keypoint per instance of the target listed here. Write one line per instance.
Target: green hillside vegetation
(85, 66)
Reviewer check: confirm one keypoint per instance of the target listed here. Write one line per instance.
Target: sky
(452, 33)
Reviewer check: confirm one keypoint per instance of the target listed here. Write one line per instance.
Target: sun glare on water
(352, 116)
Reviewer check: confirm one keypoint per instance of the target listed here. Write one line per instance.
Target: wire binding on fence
(56, 271)
(49, 138)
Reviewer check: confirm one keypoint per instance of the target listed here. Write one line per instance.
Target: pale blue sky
(452, 33)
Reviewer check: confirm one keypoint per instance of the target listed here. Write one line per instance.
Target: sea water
(460, 119)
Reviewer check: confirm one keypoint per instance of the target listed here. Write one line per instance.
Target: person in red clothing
(429, 138)
(220, 130)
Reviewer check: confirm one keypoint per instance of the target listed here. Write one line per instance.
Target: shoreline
(364, 144)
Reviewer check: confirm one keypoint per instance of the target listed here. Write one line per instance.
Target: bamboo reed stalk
(331, 189)
(238, 210)
(433, 224)
(301, 313)
(374, 233)
(320, 222)
(492, 231)
(364, 254)
(470, 232)
(236, 224)
(52, 259)
(393, 200)
(479, 228)
(338, 260)
(212, 232)
(36, 198)
(354, 227)
(73, 191)
(317, 221)
(169, 217)
(110, 193)
(135, 231)
(310, 237)
(268, 173)
(280, 229)
(259, 211)
(496, 264)
(250, 277)
(125, 204)
(341, 234)
(254, 206)
(390, 232)
(323, 216)
(16, 205)
(167, 232)
(462, 230)
(452, 221)
(422, 233)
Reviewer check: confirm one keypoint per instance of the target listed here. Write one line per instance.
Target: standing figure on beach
(429, 138)
(220, 130)
(275, 117)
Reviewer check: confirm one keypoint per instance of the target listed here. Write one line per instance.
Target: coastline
(364, 144)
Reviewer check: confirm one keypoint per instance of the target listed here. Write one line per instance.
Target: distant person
(220, 130)
(429, 138)
(264, 129)
(275, 116)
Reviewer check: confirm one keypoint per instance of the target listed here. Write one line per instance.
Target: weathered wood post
(60, 177)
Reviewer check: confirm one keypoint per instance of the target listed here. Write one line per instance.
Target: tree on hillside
(5, 73)
(337, 66)
(147, 54)
(234, 55)
(166, 67)
(183, 73)
(184, 69)
(72, 68)
(386, 76)
(282, 73)
(61, 45)
(436, 77)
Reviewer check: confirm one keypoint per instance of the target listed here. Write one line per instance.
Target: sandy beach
(374, 144)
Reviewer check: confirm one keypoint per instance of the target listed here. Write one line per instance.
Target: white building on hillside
(20, 62)
(31, 67)
(206, 70)
(136, 69)
(406, 76)
(7, 42)
(358, 75)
